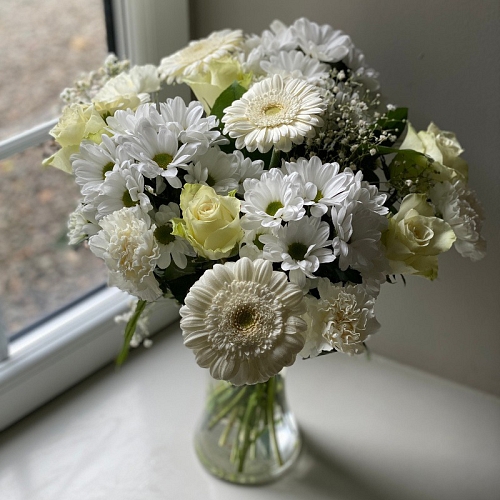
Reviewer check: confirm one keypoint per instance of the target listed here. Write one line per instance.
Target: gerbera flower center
(272, 109)
(244, 317)
(273, 207)
(163, 160)
(297, 251)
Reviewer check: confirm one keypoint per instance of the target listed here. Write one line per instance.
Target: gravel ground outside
(44, 46)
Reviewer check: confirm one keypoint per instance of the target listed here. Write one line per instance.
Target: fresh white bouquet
(274, 206)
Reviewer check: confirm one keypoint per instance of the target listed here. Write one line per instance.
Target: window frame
(70, 345)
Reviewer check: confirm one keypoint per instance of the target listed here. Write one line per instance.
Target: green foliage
(333, 272)
(394, 122)
(228, 96)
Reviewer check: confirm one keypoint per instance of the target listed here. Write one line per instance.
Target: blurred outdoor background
(44, 47)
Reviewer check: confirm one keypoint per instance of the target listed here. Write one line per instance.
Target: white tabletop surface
(373, 430)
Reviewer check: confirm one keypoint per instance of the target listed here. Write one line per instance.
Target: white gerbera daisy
(298, 65)
(128, 247)
(194, 58)
(123, 187)
(243, 322)
(342, 318)
(300, 247)
(459, 207)
(271, 199)
(322, 184)
(274, 112)
(215, 169)
(171, 247)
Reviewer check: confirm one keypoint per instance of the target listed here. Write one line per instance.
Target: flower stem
(275, 159)
(222, 413)
(271, 392)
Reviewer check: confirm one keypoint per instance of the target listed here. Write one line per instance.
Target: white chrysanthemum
(215, 169)
(341, 319)
(194, 129)
(243, 322)
(250, 245)
(171, 247)
(366, 194)
(194, 58)
(128, 90)
(271, 199)
(82, 224)
(360, 71)
(321, 42)
(274, 113)
(300, 247)
(296, 64)
(322, 186)
(158, 152)
(459, 207)
(129, 249)
(92, 163)
(357, 241)
(123, 187)
(245, 168)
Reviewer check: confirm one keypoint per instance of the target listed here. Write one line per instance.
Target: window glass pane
(44, 46)
(40, 272)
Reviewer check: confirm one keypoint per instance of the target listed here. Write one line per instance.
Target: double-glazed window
(56, 316)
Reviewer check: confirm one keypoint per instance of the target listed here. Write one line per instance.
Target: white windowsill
(64, 350)
(373, 430)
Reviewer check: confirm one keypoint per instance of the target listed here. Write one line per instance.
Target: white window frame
(54, 356)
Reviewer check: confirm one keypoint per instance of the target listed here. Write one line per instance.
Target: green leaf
(336, 275)
(231, 94)
(129, 331)
(181, 286)
(394, 121)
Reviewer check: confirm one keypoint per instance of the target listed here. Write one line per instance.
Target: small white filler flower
(242, 320)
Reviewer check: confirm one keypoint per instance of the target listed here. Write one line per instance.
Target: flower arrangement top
(272, 208)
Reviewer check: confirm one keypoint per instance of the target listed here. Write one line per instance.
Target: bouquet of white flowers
(272, 208)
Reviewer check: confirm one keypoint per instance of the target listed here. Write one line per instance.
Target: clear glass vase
(247, 434)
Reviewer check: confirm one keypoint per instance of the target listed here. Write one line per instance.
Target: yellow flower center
(163, 160)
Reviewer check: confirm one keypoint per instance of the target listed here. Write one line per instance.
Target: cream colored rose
(221, 73)
(416, 237)
(211, 223)
(443, 147)
(77, 122)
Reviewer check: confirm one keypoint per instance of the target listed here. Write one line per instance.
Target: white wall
(441, 59)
